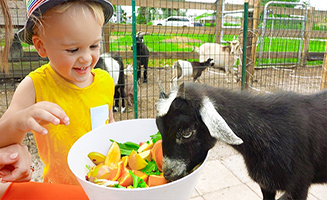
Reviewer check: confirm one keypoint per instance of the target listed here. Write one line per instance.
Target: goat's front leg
(285, 196)
(197, 79)
(268, 195)
(227, 73)
(123, 97)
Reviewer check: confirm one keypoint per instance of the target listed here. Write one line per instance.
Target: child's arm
(24, 115)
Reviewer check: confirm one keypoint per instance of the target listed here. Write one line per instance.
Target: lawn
(122, 41)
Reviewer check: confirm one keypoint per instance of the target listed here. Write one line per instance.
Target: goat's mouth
(173, 178)
(174, 169)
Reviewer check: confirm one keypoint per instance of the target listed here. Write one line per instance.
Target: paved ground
(225, 177)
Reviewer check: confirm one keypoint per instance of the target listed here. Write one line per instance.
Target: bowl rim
(135, 189)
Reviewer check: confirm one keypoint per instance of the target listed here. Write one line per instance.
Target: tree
(141, 19)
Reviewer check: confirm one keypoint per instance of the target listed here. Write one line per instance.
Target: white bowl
(136, 130)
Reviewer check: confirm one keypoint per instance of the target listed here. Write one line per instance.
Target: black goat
(113, 63)
(142, 55)
(282, 136)
(16, 48)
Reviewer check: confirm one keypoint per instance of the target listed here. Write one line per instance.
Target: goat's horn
(143, 33)
(216, 125)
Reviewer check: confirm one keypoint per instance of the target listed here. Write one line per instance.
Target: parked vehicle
(198, 24)
(175, 21)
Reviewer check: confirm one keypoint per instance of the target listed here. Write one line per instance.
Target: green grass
(160, 43)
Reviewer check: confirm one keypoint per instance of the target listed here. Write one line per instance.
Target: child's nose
(86, 58)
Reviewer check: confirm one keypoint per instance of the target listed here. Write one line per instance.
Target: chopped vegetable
(151, 169)
(137, 181)
(132, 169)
(156, 137)
(127, 147)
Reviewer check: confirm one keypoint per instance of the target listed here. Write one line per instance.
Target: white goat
(225, 56)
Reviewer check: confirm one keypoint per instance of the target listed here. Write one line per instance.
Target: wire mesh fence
(284, 50)
(288, 38)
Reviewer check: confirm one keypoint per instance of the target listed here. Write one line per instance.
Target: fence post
(134, 59)
(219, 20)
(249, 63)
(106, 36)
(307, 34)
(324, 71)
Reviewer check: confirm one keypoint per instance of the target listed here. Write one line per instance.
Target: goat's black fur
(120, 86)
(284, 135)
(142, 56)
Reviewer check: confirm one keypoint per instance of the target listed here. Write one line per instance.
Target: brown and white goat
(225, 56)
(194, 69)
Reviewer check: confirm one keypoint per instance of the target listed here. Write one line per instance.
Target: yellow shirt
(76, 102)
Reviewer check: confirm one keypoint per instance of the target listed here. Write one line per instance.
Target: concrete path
(225, 177)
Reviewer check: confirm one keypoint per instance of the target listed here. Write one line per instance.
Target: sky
(318, 4)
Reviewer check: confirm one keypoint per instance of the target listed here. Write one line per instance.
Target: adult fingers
(7, 158)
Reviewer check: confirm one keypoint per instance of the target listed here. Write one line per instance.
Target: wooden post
(254, 32)
(218, 20)
(307, 34)
(106, 36)
(324, 71)
(249, 41)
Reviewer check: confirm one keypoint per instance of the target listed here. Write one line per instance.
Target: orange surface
(155, 180)
(156, 153)
(37, 190)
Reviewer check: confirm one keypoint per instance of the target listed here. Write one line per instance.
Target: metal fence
(284, 48)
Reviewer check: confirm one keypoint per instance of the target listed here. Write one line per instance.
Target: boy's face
(71, 41)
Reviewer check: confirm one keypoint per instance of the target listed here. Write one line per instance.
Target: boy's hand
(41, 113)
(15, 163)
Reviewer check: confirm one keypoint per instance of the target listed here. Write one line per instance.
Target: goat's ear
(216, 125)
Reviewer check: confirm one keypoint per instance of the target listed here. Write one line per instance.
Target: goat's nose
(167, 173)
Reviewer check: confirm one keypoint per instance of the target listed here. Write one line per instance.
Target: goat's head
(139, 36)
(234, 46)
(189, 125)
(210, 62)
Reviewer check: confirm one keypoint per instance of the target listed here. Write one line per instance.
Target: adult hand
(15, 163)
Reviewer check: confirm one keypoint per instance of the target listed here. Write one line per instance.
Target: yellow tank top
(53, 148)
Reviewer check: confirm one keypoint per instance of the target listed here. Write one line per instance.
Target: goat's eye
(188, 134)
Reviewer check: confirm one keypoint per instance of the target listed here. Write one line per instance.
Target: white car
(175, 21)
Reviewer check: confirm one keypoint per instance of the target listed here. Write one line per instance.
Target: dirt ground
(303, 80)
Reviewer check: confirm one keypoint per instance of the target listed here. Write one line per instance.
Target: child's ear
(38, 44)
